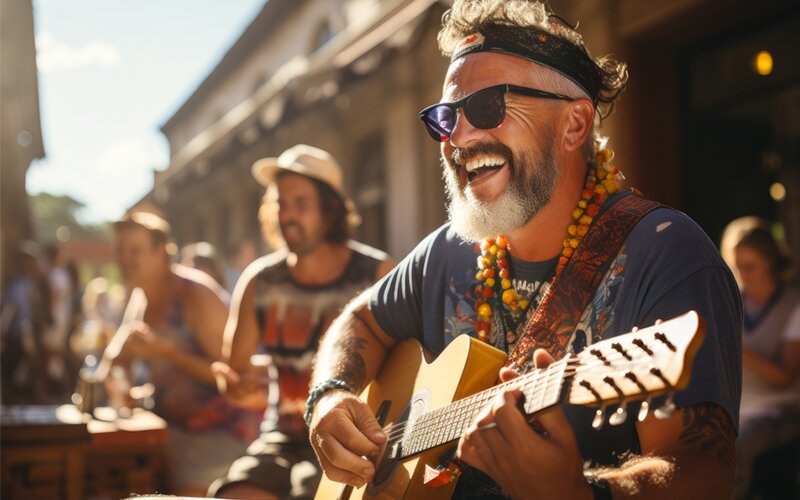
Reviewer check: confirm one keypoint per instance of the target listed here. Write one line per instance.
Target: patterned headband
(540, 47)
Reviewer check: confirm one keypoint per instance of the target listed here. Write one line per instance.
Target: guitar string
(431, 422)
(490, 393)
(573, 367)
(528, 380)
(477, 401)
(466, 416)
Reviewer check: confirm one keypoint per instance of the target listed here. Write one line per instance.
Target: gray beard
(530, 188)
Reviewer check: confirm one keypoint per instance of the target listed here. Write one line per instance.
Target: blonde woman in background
(770, 407)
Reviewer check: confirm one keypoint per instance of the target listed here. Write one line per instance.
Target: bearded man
(527, 176)
(282, 304)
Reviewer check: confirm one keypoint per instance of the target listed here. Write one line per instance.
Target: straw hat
(304, 160)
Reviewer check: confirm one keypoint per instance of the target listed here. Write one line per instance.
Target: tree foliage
(55, 218)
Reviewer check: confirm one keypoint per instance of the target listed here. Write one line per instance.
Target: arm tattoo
(706, 428)
(350, 366)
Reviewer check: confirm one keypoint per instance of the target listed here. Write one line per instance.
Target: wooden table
(58, 452)
(127, 455)
(42, 456)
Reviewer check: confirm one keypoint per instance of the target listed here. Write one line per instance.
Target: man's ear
(579, 122)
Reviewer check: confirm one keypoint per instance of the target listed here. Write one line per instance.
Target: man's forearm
(699, 463)
(685, 475)
(640, 475)
(349, 352)
(352, 350)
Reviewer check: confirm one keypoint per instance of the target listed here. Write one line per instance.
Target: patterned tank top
(185, 401)
(292, 318)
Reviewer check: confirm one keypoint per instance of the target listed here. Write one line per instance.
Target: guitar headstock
(641, 364)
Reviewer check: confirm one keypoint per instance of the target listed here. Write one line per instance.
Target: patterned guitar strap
(551, 326)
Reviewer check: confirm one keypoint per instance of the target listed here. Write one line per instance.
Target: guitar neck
(640, 364)
(543, 389)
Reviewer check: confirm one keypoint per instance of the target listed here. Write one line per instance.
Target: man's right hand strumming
(346, 437)
(344, 432)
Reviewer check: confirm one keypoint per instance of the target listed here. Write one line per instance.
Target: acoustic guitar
(426, 407)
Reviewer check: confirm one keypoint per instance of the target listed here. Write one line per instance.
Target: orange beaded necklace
(602, 180)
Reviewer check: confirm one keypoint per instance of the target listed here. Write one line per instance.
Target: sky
(111, 72)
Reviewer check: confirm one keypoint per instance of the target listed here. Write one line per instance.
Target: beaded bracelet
(318, 391)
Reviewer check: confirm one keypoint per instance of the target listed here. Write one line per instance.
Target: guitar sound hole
(387, 466)
(384, 471)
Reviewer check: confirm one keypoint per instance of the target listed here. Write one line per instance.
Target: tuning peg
(663, 338)
(620, 415)
(666, 410)
(644, 409)
(642, 346)
(599, 355)
(618, 347)
(599, 418)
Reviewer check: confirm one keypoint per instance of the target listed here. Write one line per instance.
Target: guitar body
(413, 386)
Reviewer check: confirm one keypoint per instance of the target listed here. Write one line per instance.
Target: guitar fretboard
(542, 389)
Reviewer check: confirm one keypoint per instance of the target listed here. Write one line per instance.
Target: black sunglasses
(484, 109)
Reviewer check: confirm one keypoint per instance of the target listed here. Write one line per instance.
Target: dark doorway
(738, 123)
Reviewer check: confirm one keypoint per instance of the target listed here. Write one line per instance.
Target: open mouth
(291, 231)
(483, 166)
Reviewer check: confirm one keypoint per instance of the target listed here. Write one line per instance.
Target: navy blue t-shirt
(666, 267)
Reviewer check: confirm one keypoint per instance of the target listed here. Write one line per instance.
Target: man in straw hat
(565, 260)
(178, 339)
(282, 304)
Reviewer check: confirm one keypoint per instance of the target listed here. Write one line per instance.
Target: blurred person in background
(770, 407)
(282, 304)
(62, 305)
(245, 253)
(203, 256)
(179, 338)
(76, 318)
(103, 301)
(76, 308)
(25, 315)
(101, 310)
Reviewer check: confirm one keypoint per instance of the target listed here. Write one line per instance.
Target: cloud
(53, 55)
(121, 175)
(132, 155)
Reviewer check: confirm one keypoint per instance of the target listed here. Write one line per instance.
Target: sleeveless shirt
(292, 318)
